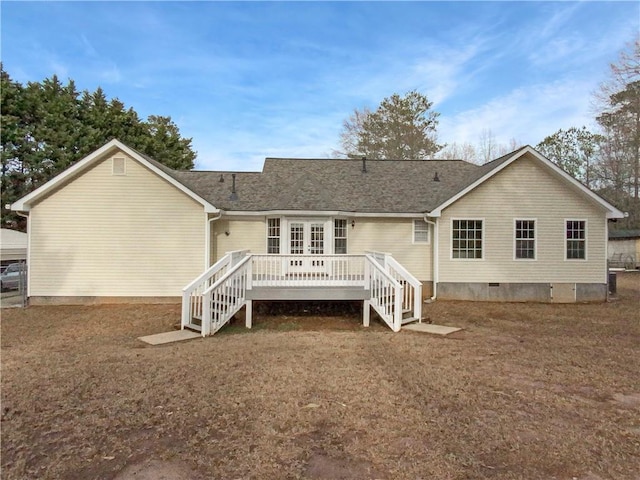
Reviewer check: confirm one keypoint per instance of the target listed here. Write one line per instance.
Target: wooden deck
(240, 277)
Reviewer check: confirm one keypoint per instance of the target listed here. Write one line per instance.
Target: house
(624, 249)
(119, 226)
(13, 246)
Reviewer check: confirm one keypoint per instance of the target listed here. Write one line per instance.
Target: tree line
(48, 126)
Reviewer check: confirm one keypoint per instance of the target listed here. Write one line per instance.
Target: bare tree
(459, 151)
(618, 103)
(351, 129)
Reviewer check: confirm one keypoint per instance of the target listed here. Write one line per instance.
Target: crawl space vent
(119, 166)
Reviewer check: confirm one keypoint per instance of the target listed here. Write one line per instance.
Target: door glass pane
(317, 239)
(297, 238)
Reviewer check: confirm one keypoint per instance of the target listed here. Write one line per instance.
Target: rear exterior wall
(524, 190)
(115, 236)
(388, 235)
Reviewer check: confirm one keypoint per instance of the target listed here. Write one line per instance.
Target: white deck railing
(214, 297)
(308, 270)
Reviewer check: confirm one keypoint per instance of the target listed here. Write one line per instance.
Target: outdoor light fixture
(353, 223)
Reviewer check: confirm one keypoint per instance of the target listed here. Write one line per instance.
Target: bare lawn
(525, 391)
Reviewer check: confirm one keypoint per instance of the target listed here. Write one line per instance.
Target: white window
(525, 240)
(576, 239)
(273, 235)
(466, 241)
(420, 231)
(340, 236)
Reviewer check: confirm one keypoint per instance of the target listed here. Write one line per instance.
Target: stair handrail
(392, 263)
(395, 320)
(208, 293)
(193, 307)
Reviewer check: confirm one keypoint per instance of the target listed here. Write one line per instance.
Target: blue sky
(249, 80)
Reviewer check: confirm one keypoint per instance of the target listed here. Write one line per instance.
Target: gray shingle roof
(388, 186)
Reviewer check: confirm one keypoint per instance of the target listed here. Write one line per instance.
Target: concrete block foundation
(523, 292)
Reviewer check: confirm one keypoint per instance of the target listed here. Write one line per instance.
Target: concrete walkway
(430, 328)
(170, 337)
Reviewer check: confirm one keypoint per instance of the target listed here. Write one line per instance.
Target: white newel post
(206, 314)
(417, 302)
(397, 310)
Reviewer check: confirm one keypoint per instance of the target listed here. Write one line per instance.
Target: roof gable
(489, 170)
(25, 203)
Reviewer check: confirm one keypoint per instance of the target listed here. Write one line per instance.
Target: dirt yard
(523, 392)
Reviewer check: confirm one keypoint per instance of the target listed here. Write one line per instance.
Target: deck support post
(366, 312)
(248, 313)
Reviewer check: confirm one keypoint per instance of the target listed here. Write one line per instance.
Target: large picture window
(273, 235)
(576, 237)
(466, 239)
(340, 236)
(525, 240)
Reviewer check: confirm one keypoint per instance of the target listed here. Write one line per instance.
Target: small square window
(420, 231)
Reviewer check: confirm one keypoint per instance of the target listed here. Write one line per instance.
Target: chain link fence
(13, 285)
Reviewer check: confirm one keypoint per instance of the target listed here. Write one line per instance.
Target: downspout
(207, 234)
(434, 257)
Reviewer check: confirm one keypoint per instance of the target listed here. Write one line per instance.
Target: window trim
(535, 239)
(413, 232)
(279, 237)
(346, 235)
(566, 240)
(484, 239)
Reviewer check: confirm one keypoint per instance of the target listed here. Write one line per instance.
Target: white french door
(307, 237)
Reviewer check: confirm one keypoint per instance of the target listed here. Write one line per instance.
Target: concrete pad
(169, 337)
(430, 328)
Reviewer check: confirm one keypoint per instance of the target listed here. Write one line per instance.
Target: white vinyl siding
(389, 235)
(244, 233)
(524, 239)
(525, 189)
(108, 235)
(394, 236)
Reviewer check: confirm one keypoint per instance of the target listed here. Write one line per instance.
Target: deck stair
(214, 297)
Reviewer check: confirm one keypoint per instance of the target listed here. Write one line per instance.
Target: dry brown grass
(526, 391)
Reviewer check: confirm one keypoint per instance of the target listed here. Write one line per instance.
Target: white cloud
(527, 114)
